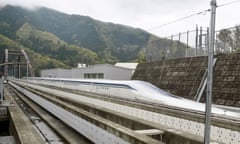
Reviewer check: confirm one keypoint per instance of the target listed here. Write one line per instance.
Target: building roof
(104, 65)
(127, 65)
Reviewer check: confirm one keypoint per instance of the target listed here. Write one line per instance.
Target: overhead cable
(180, 19)
(192, 15)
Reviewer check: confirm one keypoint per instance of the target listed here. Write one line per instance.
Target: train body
(132, 90)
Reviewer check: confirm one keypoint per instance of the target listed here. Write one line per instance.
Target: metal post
(164, 50)
(178, 48)
(207, 41)
(200, 41)
(186, 50)
(29, 66)
(196, 42)
(207, 129)
(171, 46)
(6, 66)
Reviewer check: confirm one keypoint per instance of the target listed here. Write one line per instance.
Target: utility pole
(207, 130)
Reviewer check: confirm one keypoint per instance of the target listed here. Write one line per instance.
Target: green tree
(141, 57)
(228, 40)
(225, 40)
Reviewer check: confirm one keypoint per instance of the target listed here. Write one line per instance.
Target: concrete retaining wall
(226, 85)
(183, 76)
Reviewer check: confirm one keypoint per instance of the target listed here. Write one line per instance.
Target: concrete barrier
(183, 76)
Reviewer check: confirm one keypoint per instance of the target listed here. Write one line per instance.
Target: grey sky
(144, 14)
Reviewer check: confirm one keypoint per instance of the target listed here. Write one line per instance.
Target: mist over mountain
(82, 31)
(72, 39)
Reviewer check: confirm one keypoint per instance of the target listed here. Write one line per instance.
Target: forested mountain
(110, 41)
(50, 45)
(71, 39)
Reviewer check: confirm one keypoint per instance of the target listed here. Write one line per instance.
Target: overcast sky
(144, 14)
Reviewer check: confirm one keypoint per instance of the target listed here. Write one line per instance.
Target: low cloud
(144, 14)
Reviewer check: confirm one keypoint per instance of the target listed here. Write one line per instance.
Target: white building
(100, 71)
(63, 73)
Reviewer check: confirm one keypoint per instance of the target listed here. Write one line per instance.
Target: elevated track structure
(13, 60)
(104, 119)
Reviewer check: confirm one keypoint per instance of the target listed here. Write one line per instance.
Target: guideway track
(120, 118)
(20, 127)
(96, 129)
(183, 123)
(163, 133)
(66, 133)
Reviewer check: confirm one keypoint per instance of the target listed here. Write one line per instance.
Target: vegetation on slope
(111, 42)
(74, 39)
(48, 44)
(39, 61)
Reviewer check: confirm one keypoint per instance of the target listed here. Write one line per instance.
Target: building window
(93, 75)
(100, 75)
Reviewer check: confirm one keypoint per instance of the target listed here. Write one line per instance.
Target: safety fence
(192, 43)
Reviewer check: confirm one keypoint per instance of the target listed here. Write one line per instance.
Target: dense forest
(112, 42)
(69, 39)
(63, 40)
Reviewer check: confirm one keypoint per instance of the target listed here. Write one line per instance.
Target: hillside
(50, 45)
(111, 42)
(72, 39)
(39, 61)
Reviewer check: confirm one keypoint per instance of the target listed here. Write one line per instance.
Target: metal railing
(192, 43)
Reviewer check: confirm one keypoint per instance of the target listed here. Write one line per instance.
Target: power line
(229, 3)
(180, 19)
(192, 15)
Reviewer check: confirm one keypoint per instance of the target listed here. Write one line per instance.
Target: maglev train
(133, 90)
